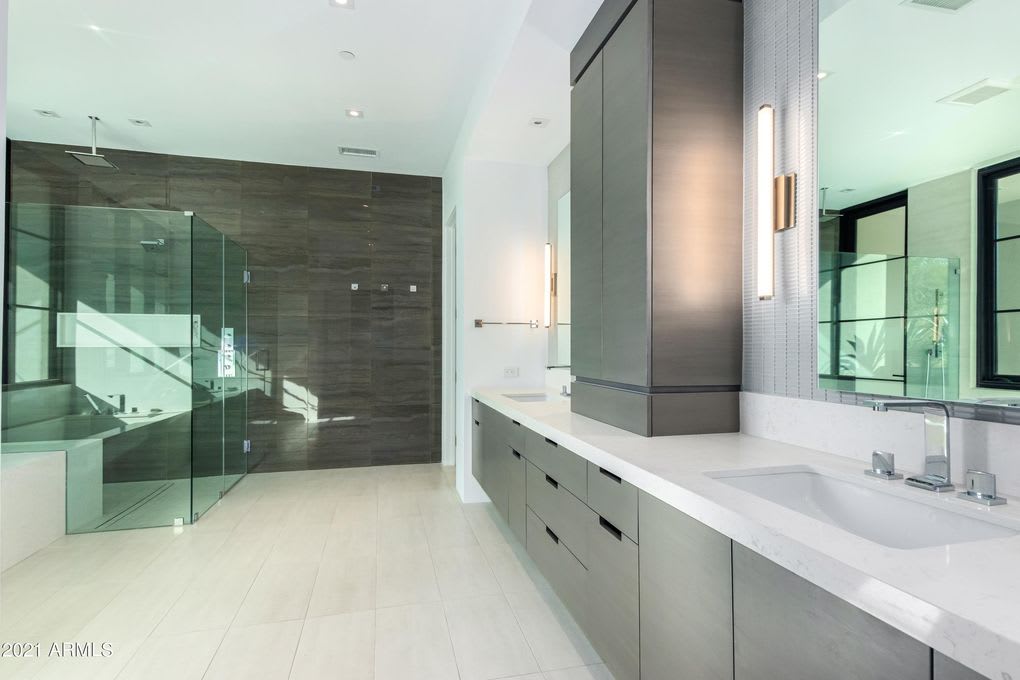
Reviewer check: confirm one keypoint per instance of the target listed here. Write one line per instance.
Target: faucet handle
(883, 465)
(981, 488)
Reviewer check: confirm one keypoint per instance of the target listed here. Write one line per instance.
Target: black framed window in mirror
(998, 357)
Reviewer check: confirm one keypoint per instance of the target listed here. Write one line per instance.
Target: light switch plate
(414, 288)
(512, 372)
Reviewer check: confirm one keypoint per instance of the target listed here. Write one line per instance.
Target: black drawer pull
(474, 400)
(478, 423)
(609, 474)
(554, 537)
(550, 442)
(515, 423)
(516, 454)
(617, 534)
(552, 482)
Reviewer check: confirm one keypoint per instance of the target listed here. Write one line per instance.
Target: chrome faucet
(936, 476)
(121, 402)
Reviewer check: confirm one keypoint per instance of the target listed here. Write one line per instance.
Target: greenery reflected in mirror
(919, 171)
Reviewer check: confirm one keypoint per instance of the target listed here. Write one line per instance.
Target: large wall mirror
(919, 173)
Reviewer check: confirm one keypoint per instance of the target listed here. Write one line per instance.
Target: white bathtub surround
(959, 599)
(855, 431)
(31, 503)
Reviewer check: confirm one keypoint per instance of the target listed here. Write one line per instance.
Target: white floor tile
(487, 641)
(401, 534)
(596, 672)
(405, 577)
(173, 657)
(341, 646)
(448, 529)
(554, 637)
(464, 572)
(344, 585)
(280, 593)
(413, 643)
(262, 652)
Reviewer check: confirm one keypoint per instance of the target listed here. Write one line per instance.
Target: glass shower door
(207, 384)
(219, 367)
(235, 366)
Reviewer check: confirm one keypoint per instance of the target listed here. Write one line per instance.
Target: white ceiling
(534, 83)
(262, 80)
(881, 128)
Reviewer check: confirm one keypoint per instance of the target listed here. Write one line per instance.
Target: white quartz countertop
(963, 600)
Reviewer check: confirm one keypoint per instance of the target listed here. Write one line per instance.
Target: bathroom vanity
(673, 558)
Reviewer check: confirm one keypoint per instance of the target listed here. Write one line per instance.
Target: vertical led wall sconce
(548, 292)
(776, 201)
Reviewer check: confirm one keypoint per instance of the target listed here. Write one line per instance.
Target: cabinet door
(625, 137)
(947, 669)
(686, 596)
(789, 629)
(517, 471)
(477, 448)
(586, 223)
(612, 622)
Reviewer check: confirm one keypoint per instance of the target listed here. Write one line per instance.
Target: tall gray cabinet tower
(656, 191)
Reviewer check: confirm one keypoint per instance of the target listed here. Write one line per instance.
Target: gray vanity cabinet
(491, 460)
(786, 628)
(586, 223)
(625, 139)
(686, 597)
(612, 622)
(517, 509)
(947, 669)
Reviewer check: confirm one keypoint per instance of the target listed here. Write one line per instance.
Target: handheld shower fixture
(93, 159)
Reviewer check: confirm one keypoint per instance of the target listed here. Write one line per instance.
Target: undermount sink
(886, 516)
(538, 396)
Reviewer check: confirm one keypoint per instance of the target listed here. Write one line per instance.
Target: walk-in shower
(125, 348)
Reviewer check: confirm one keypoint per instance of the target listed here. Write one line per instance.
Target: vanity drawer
(614, 499)
(567, 576)
(560, 510)
(517, 469)
(565, 466)
(612, 602)
(517, 436)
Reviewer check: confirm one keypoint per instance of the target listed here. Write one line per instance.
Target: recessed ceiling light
(347, 55)
(46, 113)
(538, 122)
(822, 75)
(140, 122)
(93, 27)
(346, 4)
(355, 113)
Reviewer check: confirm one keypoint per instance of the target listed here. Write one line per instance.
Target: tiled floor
(358, 574)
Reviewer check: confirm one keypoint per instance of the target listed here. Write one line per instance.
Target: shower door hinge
(247, 446)
(247, 276)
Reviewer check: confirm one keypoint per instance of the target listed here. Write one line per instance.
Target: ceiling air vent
(977, 93)
(361, 153)
(941, 5)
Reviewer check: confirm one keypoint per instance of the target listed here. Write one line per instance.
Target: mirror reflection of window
(999, 234)
(944, 318)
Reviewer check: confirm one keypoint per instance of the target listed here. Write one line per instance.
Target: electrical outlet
(512, 372)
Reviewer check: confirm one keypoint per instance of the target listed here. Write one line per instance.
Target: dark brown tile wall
(353, 376)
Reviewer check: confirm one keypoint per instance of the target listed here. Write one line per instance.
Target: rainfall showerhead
(93, 160)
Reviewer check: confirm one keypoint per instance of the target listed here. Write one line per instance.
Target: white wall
(503, 230)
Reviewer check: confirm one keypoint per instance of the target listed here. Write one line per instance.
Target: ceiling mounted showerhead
(93, 160)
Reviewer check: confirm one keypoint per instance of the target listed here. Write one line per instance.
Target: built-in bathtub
(32, 493)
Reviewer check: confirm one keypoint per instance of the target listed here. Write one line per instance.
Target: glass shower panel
(109, 380)
(933, 328)
(206, 360)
